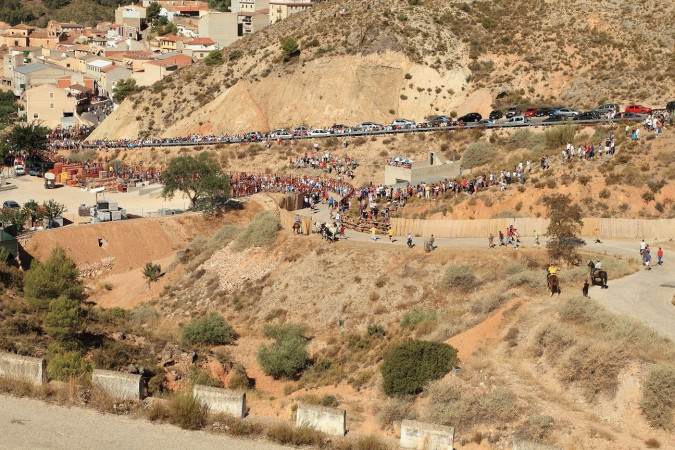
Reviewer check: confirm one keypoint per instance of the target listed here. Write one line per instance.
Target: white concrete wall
(327, 420)
(420, 435)
(120, 385)
(222, 400)
(23, 368)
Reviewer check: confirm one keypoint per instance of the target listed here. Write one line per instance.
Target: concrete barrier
(125, 386)
(24, 368)
(427, 436)
(327, 420)
(222, 400)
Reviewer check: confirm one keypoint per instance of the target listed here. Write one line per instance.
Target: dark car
(542, 112)
(35, 171)
(670, 106)
(496, 114)
(512, 111)
(10, 204)
(439, 121)
(471, 117)
(628, 115)
(588, 115)
(553, 118)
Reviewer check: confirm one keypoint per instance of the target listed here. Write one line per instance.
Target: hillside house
(172, 43)
(282, 9)
(198, 48)
(32, 75)
(131, 15)
(50, 105)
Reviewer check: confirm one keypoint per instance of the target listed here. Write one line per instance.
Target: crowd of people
(331, 164)
(244, 184)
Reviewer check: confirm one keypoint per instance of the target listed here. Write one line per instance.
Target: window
(36, 116)
(51, 106)
(51, 95)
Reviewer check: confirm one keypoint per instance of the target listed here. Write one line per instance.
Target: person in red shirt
(659, 254)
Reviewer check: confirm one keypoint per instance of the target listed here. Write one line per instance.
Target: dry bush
(158, 412)
(658, 396)
(395, 410)
(652, 443)
(594, 367)
(285, 433)
(537, 427)
(458, 277)
(187, 412)
(551, 340)
(452, 404)
(478, 154)
(260, 232)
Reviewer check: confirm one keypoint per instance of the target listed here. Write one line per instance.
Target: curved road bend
(644, 295)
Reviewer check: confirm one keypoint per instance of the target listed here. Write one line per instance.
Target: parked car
(300, 131)
(542, 112)
(402, 123)
(485, 123)
(553, 118)
(670, 106)
(609, 107)
(35, 171)
(567, 112)
(629, 115)
(471, 117)
(496, 114)
(512, 112)
(638, 109)
(531, 111)
(319, 133)
(439, 121)
(368, 126)
(283, 134)
(515, 121)
(588, 115)
(553, 111)
(10, 204)
(19, 170)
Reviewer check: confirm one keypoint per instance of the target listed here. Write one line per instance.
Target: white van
(19, 170)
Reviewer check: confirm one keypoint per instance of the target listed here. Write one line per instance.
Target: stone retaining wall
(420, 435)
(120, 385)
(327, 420)
(24, 368)
(222, 400)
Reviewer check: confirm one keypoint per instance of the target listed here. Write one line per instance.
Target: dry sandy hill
(376, 61)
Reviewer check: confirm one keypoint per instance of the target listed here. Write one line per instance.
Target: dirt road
(29, 423)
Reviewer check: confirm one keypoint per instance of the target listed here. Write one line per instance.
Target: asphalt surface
(645, 295)
(29, 423)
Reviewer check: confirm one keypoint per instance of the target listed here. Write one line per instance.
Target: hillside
(414, 59)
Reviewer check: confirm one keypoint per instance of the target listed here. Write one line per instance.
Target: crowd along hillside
(358, 61)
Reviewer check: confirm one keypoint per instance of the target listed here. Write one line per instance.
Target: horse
(553, 284)
(296, 228)
(599, 277)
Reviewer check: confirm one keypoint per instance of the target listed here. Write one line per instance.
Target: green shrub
(187, 412)
(64, 361)
(203, 377)
(285, 358)
(408, 367)
(57, 277)
(152, 272)
(4, 255)
(260, 232)
(64, 319)
(210, 330)
(280, 332)
(658, 396)
(235, 55)
(214, 57)
(478, 154)
(458, 277)
(416, 316)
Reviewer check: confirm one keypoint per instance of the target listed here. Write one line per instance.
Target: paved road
(645, 295)
(30, 423)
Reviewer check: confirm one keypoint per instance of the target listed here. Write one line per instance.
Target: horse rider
(552, 269)
(598, 266)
